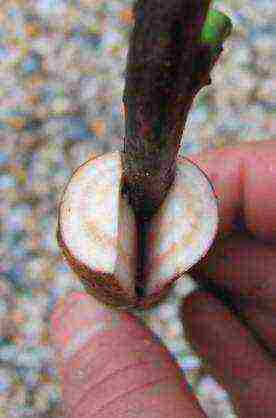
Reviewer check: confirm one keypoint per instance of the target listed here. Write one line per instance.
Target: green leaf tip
(216, 29)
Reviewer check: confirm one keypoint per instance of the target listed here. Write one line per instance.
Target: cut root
(98, 233)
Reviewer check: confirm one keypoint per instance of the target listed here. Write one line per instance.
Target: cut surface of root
(98, 233)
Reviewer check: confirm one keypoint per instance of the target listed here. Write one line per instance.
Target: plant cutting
(130, 223)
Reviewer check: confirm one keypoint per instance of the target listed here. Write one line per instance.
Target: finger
(233, 355)
(244, 181)
(110, 362)
(262, 323)
(243, 266)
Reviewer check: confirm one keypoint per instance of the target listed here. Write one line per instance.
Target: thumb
(108, 361)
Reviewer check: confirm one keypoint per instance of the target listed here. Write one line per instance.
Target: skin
(109, 361)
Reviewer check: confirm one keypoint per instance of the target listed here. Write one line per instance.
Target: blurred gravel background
(61, 83)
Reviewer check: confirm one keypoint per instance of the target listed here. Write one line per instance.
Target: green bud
(216, 29)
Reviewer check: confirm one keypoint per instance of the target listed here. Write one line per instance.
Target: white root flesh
(97, 230)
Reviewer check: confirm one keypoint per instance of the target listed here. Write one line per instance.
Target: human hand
(238, 341)
(111, 365)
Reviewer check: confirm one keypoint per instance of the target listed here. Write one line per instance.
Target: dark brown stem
(166, 67)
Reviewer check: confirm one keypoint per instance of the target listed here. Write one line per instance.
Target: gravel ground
(61, 83)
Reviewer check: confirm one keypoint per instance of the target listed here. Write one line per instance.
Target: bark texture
(166, 66)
